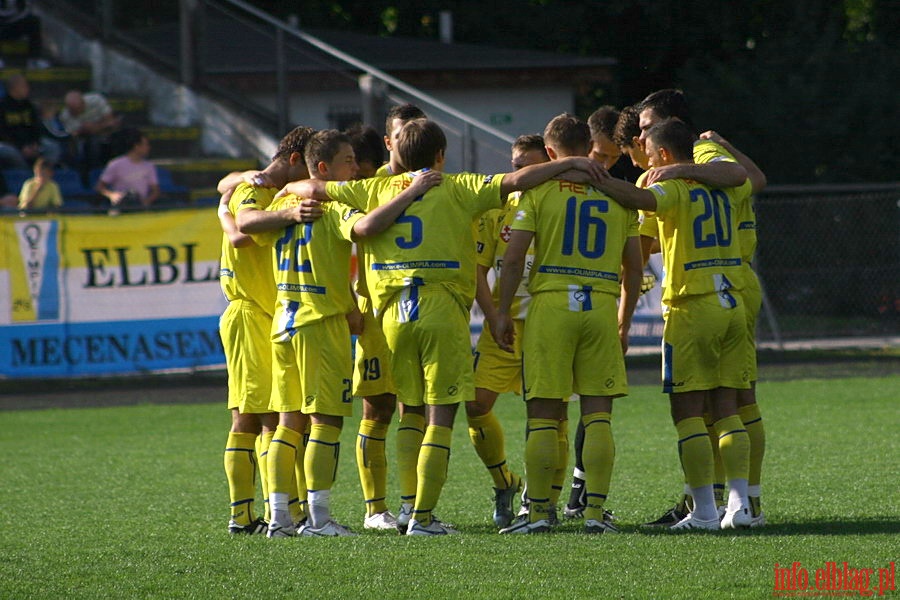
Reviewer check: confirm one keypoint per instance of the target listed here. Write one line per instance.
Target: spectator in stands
(22, 133)
(16, 21)
(89, 121)
(130, 178)
(40, 192)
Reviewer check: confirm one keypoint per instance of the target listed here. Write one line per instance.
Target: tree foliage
(806, 87)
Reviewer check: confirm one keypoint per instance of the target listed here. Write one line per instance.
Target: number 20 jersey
(699, 236)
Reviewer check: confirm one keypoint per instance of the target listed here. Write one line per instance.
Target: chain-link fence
(829, 260)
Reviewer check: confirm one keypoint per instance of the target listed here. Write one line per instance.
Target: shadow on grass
(870, 526)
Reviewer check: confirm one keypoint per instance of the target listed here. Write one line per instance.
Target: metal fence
(829, 260)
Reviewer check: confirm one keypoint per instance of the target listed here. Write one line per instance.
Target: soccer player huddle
(567, 245)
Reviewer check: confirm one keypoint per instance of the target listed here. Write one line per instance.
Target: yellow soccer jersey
(706, 151)
(494, 229)
(698, 229)
(246, 273)
(431, 242)
(312, 266)
(384, 170)
(580, 234)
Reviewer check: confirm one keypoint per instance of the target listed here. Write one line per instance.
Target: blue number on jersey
(718, 209)
(371, 369)
(415, 235)
(591, 228)
(288, 250)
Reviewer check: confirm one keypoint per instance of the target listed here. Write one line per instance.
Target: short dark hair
(568, 132)
(668, 103)
(603, 121)
(367, 144)
(404, 112)
(294, 141)
(419, 143)
(323, 146)
(530, 141)
(675, 136)
(627, 127)
(129, 138)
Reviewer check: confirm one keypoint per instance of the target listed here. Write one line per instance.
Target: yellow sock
(541, 464)
(434, 459)
(718, 467)
(297, 504)
(753, 422)
(240, 470)
(562, 461)
(371, 463)
(320, 462)
(281, 459)
(734, 444)
(409, 441)
(262, 452)
(486, 434)
(598, 456)
(695, 451)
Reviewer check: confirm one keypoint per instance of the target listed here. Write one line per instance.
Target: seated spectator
(130, 178)
(40, 192)
(22, 134)
(89, 121)
(16, 21)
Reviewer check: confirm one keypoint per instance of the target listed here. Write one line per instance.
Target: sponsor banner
(71, 280)
(110, 347)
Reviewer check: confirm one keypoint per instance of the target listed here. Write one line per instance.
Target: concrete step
(53, 83)
(204, 173)
(173, 141)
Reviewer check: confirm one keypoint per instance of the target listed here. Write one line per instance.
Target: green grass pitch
(131, 502)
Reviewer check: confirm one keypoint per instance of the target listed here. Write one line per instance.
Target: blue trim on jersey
(301, 287)
(712, 262)
(562, 270)
(667, 368)
(416, 264)
(408, 305)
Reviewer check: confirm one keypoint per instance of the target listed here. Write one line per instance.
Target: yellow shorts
(752, 294)
(313, 370)
(427, 331)
(495, 369)
(568, 350)
(372, 371)
(705, 343)
(244, 329)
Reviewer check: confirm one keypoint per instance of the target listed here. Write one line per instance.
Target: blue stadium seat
(15, 178)
(166, 184)
(70, 184)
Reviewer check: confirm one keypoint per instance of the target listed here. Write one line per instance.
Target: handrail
(370, 70)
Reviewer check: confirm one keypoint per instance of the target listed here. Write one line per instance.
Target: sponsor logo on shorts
(310, 399)
(452, 390)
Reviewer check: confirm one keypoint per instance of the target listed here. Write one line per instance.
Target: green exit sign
(501, 119)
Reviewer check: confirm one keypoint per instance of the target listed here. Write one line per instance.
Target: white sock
(737, 494)
(754, 491)
(278, 509)
(704, 503)
(319, 507)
